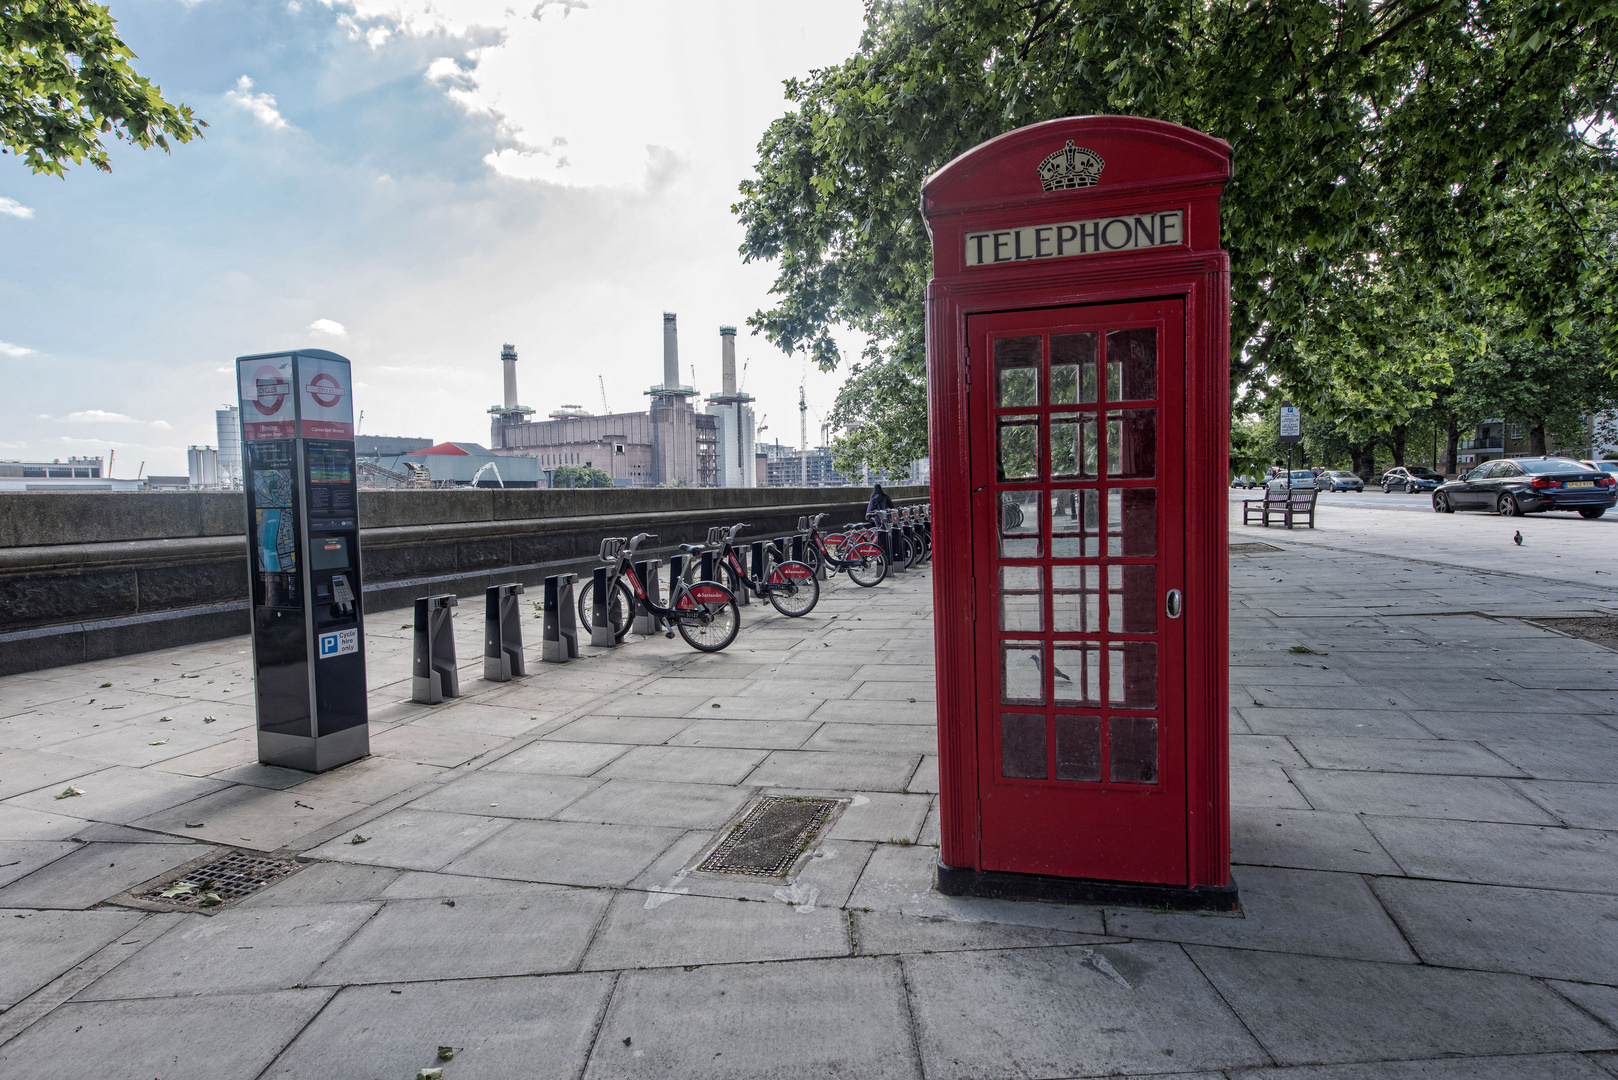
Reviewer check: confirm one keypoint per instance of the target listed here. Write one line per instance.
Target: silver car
(1302, 479)
(1340, 480)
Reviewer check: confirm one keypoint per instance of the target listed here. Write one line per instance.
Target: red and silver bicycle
(788, 585)
(704, 612)
(856, 553)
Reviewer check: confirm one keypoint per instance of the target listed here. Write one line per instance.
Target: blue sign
(328, 644)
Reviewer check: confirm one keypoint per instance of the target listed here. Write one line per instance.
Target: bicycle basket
(612, 547)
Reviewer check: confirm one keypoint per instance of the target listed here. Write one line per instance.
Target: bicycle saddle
(692, 549)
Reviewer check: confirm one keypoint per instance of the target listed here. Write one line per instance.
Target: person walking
(879, 501)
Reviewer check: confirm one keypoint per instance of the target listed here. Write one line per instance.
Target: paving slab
(1574, 859)
(236, 951)
(875, 737)
(669, 930)
(756, 708)
(430, 746)
(370, 779)
(925, 778)
(1462, 798)
(882, 817)
(1268, 788)
(644, 731)
(832, 771)
(1343, 723)
(1578, 757)
(566, 853)
(649, 802)
(1509, 1067)
(538, 1028)
(900, 878)
(1307, 912)
(483, 718)
(546, 757)
(94, 872)
(1077, 1011)
(159, 1037)
(19, 858)
(1581, 805)
(1601, 1000)
(685, 764)
(1559, 935)
(883, 933)
(825, 879)
(250, 816)
(23, 771)
(1306, 840)
(119, 795)
(325, 883)
(230, 754)
(665, 701)
(922, 713)
(1445, 756)
(748, 734)
(507, 794)
(1310, 1010)
(536, 930)
(37, 946)
(412, 839)
(806, 1020)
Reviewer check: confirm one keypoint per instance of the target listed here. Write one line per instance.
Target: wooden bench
(1283, 503)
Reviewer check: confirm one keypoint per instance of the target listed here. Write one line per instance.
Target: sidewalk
(1425, 827)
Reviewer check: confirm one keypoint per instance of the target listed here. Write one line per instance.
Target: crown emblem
(1070, 167)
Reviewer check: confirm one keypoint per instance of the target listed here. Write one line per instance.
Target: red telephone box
(1078, 347)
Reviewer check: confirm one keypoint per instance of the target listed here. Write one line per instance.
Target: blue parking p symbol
(328, 644)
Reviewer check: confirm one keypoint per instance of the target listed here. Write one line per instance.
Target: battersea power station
(669, 443)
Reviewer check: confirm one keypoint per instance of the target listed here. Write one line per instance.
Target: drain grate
(234, 877)
(1253, 548)
(770, 838)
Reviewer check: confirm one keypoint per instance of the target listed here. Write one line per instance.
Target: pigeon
(1517, 539)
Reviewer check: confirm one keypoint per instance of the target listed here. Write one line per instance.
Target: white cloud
(329, 326)
(261, 105)
(8, 349)
(102, 416)
(15, 208)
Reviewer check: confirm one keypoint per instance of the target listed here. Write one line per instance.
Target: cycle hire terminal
(1077, 347)
(297, 411)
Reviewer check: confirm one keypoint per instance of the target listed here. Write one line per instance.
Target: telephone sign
(1078, 337)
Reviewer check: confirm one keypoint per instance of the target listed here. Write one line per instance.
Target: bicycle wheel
(793, 589)
(620, 608)
(706, 615)
(867, 567)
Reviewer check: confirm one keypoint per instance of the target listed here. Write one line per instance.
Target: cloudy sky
(409, 183)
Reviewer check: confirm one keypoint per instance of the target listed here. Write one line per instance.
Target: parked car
(1339, 480)
(1244, 481)
(1411, 479)
(1511, 486)
(1301, 479)
(1602, 466)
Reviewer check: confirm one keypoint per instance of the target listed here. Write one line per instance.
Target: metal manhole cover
(223, 881)
(770, 838)
(1253, 548)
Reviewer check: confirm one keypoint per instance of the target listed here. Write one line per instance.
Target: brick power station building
(670, 443)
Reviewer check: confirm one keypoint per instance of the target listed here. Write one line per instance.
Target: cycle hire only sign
(1291, 423)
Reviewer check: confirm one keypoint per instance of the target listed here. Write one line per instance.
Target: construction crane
(803, 437)
(603, 383)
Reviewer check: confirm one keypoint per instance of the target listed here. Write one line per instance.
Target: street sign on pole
(1291, 424)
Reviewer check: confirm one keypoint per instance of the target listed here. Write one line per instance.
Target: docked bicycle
(857, 555)
(704, 612)
(790, 586)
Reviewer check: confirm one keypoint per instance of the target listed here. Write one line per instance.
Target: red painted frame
(1149, 166)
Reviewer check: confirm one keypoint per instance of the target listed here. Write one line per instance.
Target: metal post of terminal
(561, 634)
(600, 625)
(434, 676)
(645, 622)
(502, 633)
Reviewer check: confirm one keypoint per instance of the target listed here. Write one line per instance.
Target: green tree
(1548, 387)
(1386, 156)
(65, 81)
(580, 476)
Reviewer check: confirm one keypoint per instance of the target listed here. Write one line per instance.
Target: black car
(1511, 486)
